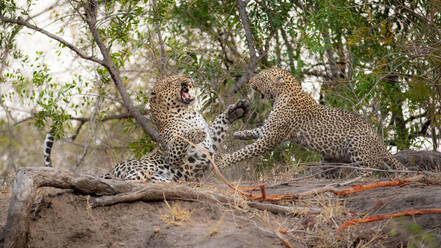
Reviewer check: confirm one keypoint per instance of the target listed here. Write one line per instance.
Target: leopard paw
(238, 110)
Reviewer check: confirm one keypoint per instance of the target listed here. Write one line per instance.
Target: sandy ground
(64, 219)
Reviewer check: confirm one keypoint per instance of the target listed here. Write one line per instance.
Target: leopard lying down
(174, 159)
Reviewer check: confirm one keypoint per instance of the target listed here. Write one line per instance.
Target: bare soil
(65, 219)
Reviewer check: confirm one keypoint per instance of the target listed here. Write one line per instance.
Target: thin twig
(252, 188)
(349, 166)
(91, 127)
(346, 182)
(254, 196)
(285, 242)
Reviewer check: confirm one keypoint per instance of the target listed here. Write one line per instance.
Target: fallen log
(24, 191)
(420, 160)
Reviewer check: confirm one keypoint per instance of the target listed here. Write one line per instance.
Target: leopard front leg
(175, 149)
(257, 148)
(197, 161)
(248, 134)
(273, 132)
(223, 121)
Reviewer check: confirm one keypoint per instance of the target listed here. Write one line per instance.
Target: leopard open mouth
(186, 96)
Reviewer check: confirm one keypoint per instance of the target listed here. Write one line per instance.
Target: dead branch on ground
(397, 182)
(410, 212)
(329, 188)
(263, 196)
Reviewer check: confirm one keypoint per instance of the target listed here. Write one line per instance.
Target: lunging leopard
(337, 135)
(172, 109)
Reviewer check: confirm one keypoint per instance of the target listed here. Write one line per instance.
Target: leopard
(339, 136)
(174, 114)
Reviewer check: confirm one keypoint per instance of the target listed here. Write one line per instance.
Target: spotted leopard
(337, 135)
(172, 109)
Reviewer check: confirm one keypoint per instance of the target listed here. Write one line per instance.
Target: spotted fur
(171, 103)
(48, 143)
(337, 135)
(174, 159)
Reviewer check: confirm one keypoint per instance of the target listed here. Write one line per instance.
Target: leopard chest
(194, 120)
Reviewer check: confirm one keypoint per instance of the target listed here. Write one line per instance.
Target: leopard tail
(48, 143)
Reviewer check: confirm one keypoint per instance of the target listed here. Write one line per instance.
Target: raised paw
(238, 110)
(195, 135)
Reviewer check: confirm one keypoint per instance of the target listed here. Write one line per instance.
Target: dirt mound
(65, 218)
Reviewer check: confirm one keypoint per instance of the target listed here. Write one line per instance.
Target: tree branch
(161, 43)
(90, 18)
(21, 22)
(83, 119)
(254, 60)
(330, 54)
(246, 26)
(107, 62)
(77, 131)
(289, 49)
(251, 66)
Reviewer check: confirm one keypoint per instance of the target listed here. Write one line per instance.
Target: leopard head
(170, 97)
(274, 82)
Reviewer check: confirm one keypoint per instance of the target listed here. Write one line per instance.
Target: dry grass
(175, 214)
(321, 230)
(317, 230)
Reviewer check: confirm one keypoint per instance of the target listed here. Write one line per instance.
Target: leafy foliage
(380, 59)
